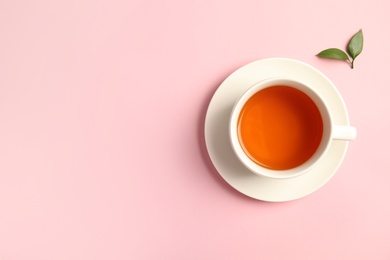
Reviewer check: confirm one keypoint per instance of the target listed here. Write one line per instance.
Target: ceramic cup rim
(313, 160)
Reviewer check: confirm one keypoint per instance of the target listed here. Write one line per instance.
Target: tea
(280, 127)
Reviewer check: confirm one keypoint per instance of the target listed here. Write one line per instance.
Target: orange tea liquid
(280, 127)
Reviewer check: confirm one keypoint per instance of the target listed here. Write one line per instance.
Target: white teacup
(280, 128)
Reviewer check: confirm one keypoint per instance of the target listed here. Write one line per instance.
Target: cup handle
(346, 133)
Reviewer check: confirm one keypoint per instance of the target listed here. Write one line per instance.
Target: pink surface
(102, 153)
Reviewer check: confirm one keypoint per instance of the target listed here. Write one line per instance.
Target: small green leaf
(333, 53)
(355, 45)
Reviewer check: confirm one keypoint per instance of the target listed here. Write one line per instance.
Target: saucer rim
(278, 66)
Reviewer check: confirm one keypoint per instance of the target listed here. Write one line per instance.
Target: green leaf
(333, 53)
(355, 45)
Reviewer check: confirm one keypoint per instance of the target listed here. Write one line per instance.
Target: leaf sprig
(354, 48)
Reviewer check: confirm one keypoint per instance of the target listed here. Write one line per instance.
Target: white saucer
(217, 137)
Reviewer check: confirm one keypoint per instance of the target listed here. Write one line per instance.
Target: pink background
(102, 107)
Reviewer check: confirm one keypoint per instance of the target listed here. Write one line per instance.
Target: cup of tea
(281, 127)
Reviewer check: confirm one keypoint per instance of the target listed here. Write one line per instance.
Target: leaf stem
(350, 62)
